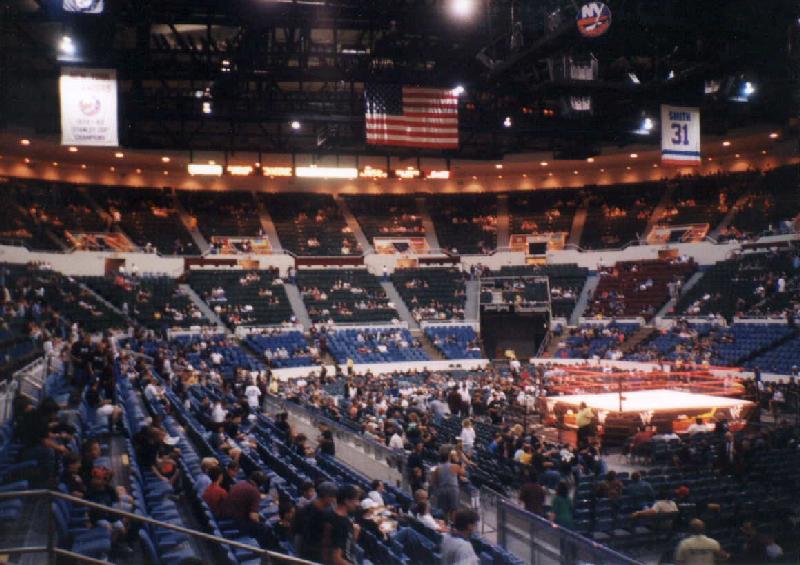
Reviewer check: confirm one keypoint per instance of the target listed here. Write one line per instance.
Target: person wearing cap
(456, 547)
(310, 521)
(698, 549)
(243, 503)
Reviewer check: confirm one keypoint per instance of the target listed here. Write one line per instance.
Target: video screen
(84, 6)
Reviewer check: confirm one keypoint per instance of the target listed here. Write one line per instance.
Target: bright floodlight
(462, 8)
(458, 90)
(507, 122)
(66, 46)
(647, 124)
(295, 125)
(748, 89)
(207, 107)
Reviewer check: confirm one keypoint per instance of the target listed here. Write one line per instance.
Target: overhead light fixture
(748, 89)
(737, 155)
(27, 160)
(628, 168)
(574, 172)
(498, 166)
(119, 155)
(634, 78)
(438, 175)
(763, 151)
(25, 142)
(72, 149)
(112, 169)
(646, 126)
(66, 46)
(507, 122)
(295, 125)
(602, 170)
(655, 165)
(590, 159)
(634, 155)
(774, 135)
(225, 66)
(207, 107)
(277, 171)
(314, 172)
(138, 171)
(204, 169)
(726, 143)
(373, 173)
(166, 173)
(165, 159)
(55, 163)
(462, 9)
(240, 170)
(407, 173)
(458, 90)
(83, 166)
(671, 75)
(543, 163)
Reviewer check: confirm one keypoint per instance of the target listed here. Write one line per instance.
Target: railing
(538, 541)
(52, 550)
(28, 381)
(375, 450)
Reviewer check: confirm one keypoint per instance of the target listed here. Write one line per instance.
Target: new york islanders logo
(594, 19)
(89, 106)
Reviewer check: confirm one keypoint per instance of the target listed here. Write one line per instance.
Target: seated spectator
(611, 487)
(283, 527)
(663, 505)
(214, 495)
(456, 547)
(698, 549)
(640, 489)
(243, 503)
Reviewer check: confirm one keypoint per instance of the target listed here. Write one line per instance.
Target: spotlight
(207, 107)
(507, 122)
(295, 125)
(165, 159)
(634, 78)
(458, 90)
(73, 149)
(748, 89)
(25, 142)
(634, 155)
(646, 126)
(590, 159)
(543, 163)
(462, 9)
(119, 155)
(726, 143)
(66, 46)
(498, 166)
(774, 135)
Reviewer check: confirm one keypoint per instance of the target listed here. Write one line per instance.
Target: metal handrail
(52, 495)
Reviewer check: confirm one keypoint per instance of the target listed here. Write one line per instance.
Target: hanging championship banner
(680, 135)
(88, 106)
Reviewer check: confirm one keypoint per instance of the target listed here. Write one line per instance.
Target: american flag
(412, 117)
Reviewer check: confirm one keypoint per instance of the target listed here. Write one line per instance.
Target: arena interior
(399, 282)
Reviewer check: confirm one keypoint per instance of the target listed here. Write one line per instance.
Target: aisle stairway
(583, 300)
(639, 336)
(471, 308)
(353, 224)
(503, 222)
(204, 308)
(298, 306)
(427, 223)
(728, 219)
(188, 223)
(267, 225)
(667, 308)
(399, 305)
(578, 222)
(666, 200)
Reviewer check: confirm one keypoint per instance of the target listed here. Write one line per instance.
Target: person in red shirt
(214, 494)
(243, 504)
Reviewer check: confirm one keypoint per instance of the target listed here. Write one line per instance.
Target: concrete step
(204, 308)
(427, 223)
(667, 308)
(353, 224)
(639, 336)
(503, 222)
(298, 306)
(427, 346)
(578, 223)
(472, 306)
(268, 226)
(188, 223)
(399, 305)
(583, 299)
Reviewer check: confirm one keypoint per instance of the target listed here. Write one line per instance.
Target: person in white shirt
(216, 358)
(396, 441)
(253, 393)
(467, 436)
(376, 494)
(219, 412)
